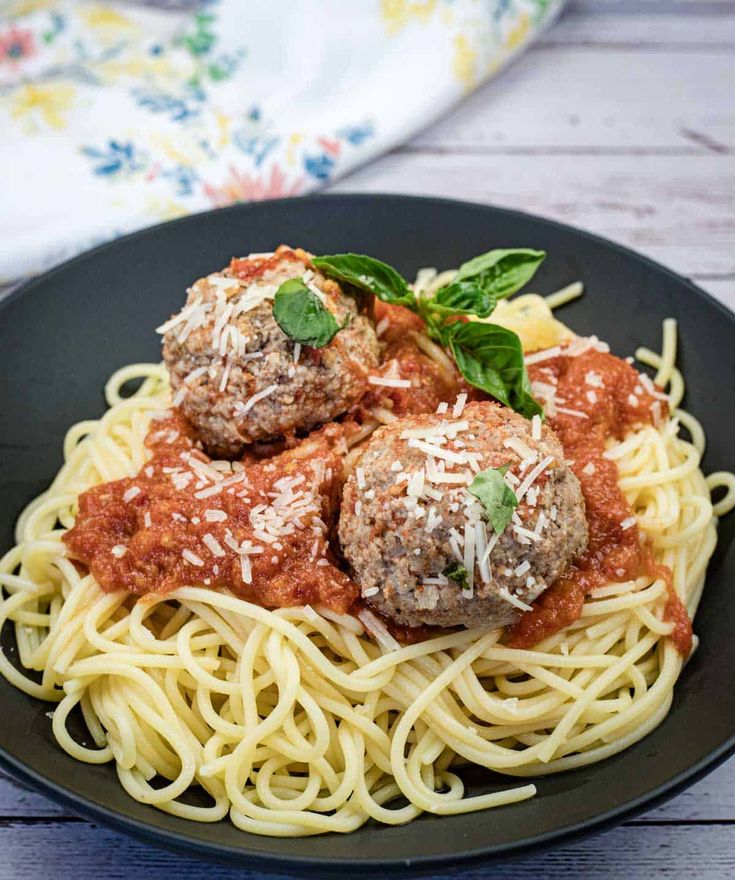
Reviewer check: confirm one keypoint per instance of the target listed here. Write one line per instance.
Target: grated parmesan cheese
(529, 480)
(469, 558)
(213, 545)
(242, 408)
(195, 374)
(544, 355)
(212, 515)
(389, 383)
(382, 326)
(209, 491)
(192, 558)
(513, 600)
(225, 375)
(536, 427)
(522, 449)
(438, 452)
(525, 536)
(178, 398)
(459, 405)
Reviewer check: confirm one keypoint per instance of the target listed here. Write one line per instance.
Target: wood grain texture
(81, 851)
(635, 101)
(678, 210)
(621, 121)
(659, 24)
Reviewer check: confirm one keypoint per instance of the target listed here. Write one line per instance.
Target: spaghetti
(296, 721)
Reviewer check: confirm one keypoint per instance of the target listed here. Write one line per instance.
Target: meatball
(239, 378)
(415, 538)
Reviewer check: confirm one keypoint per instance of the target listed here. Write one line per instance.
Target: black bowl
(64, 333)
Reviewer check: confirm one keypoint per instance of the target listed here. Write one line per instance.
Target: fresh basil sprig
(301, 315)
(456, 572)
(369, 274)
(489, 357)
(462, 298)
(498, 499)
(503, 271)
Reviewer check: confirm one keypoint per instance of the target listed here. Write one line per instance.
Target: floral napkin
(115, 116)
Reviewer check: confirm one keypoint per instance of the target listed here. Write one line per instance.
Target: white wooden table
(620, 121)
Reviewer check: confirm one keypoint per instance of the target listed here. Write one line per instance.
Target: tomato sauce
(591, 398)
(250, 268)
(431, 382)
(258, 530)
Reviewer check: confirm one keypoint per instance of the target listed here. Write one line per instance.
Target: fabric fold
(116, 116)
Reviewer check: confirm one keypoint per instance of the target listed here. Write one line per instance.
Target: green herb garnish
(457, 573)
(302, 316)
(463, 298)
(488, 356)
(491, 357)
(369, 274)
(502, 272)
(498, 499)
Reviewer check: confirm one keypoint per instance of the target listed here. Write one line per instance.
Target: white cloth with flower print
(115, 116)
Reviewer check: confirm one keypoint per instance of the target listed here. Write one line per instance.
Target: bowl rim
(282, 862)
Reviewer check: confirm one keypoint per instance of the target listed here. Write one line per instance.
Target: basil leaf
(302, 315)
(502, 272)
(457, 573)
(498, 499)
(491, 358)
(367, 273)
(462, 298)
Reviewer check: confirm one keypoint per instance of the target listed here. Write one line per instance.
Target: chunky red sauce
(597, 396)
(431, 383)
(250, 268)
(170, 526)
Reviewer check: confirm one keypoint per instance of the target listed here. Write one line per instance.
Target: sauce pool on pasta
(592, 398)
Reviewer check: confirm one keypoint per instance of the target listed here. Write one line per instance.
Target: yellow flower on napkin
(464, 62)
(518, 33)
(104, 18)
(397, 13)
(42, 105)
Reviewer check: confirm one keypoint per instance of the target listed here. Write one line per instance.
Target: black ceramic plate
(63, 334)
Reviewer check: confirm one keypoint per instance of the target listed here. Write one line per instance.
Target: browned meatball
(239, 378)
(408, 518)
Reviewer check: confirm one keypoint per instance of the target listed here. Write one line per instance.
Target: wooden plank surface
(679, 210)
(664, 24)
(606, 113)
(81, 851)
(621, 121)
